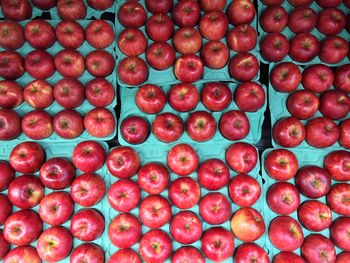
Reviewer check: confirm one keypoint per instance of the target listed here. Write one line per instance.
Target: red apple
(155, 211)
(99, 92)
(71, 10)
(39, 34)
(339, 233)
(55, 243)
(184, 192)
(6, 176)
(70, 34)
(341, 78)
(247, 224)
(39, 94)
(331, 21)
(274, 47)
(11, 94)
(88, 156)
(69, 63)
(272, 2)
(16, 10)
(242, 38)
(251, 252)
(285, 233)
(287, 256)
(27, 157)
(317, 248)
(89, 253)
(160, 55)
(241, 12)
(200, 126)
(288, 132)
(302, 19)
(187, 40)
(99, 122)
(56, 208)
(244, 190)
(5, 212)
(10, 124)
(344, 136)
(132, 70)
(125, 255)
(44, 4)
(167, 127)
(160, 6)
(99, 63)
(68, 124)
(213, 25)
(153, 178)
(11, 36)
(313, 181)
(216, 96)
(87, 225)
(241, 157)
(234, 125)
(22, 227)
(186, 227)
(124, 195)
(22, 254)
(187, 253)
(11, 65)
(249, 96)
(99, 34)
(297, 3)
(321, 132)
(155, 246)
(343, 257)
(183, 97)
(217, 244)
(213, 174)
(315, 215)
(215, 208)
(304, 47)
(334, 104)
(244, 67)
(37, 125)
(281, 164)
(134, 129)
(333, 49)
(189, 68)
(132, 14)
(337, 164)
(337, 199)
(317, 78)
(182, 159)
(160, 27)
(123, 162)
(212, 5)
(327, 3)
(273, 19)
(87, 189)
(283, 198)
(285, 77)
(215, 54)
(150, 98)
(186, 13)
(132, 42)
(69, 93)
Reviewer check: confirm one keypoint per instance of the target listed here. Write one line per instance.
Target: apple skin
(321, 132)
(331, 21)
(99, 92)
(5, 210)
(124, 195)
(234, 125)
(54, 244)
(161, 6)
(186, 13)
(37, 125)
(285, 233)
(44, 4)
(337, 163)
(69, 63)
(39, 34)
(160, 55)
(153, 178)
(242, 38)
(89, 253)
(160, 27)
(68, 124)
(167, 127)
(244, 190)
(304, 47)
(303, 104)
(189, 68)
(155, 211)
(88, 156)
(213, 25)
(336, 199)
(5, 246)
(281, 164)
(29, 224)
(6, 176)
(212, 5)
(99, 63)
(56, 208)
(216, 96)
(10, 124)
(285, 77)
(132, 42)
(25, 254)
(315, 215)
(328, 4)
(338, 233)
(344, 137)
(274, 47)
(187, 40)
(249, 96)
(333, 49)
(123, 162)
(187, 253)
(87, 225)
(317, 78)
(12, 65)
(297, 3)
(18, 10)
(213, 174)
(215, 208)
(341, 78)
(249, 253)
(241, 12)
(69, 93)
(334, 104)
(244, 67)
(217, 235)
(274, 19)
(135, 129)
(313, 181)
(25, 191)
(27, 157)
(283, 198)
(87, 189)
(155, 246)
(241, 157)
(343, 257)
(272, 2)
(215, 54)
(184, 193)
(288, 132)
(183, 97)
(132, 14)
(287, 256)
(12, 36)
(133, 71)
(200, 126)
(125, 255)
(182, 159)
(99, 122)
(39, 94)
(150, 99)
(302, 19)
(67, 10)
(317, 247)
(11, 94)
(186, 227)
(99, 34)
(70, 34)
(247, 224)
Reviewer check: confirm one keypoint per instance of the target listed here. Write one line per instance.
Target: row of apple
(300, 3)
(307, 199)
